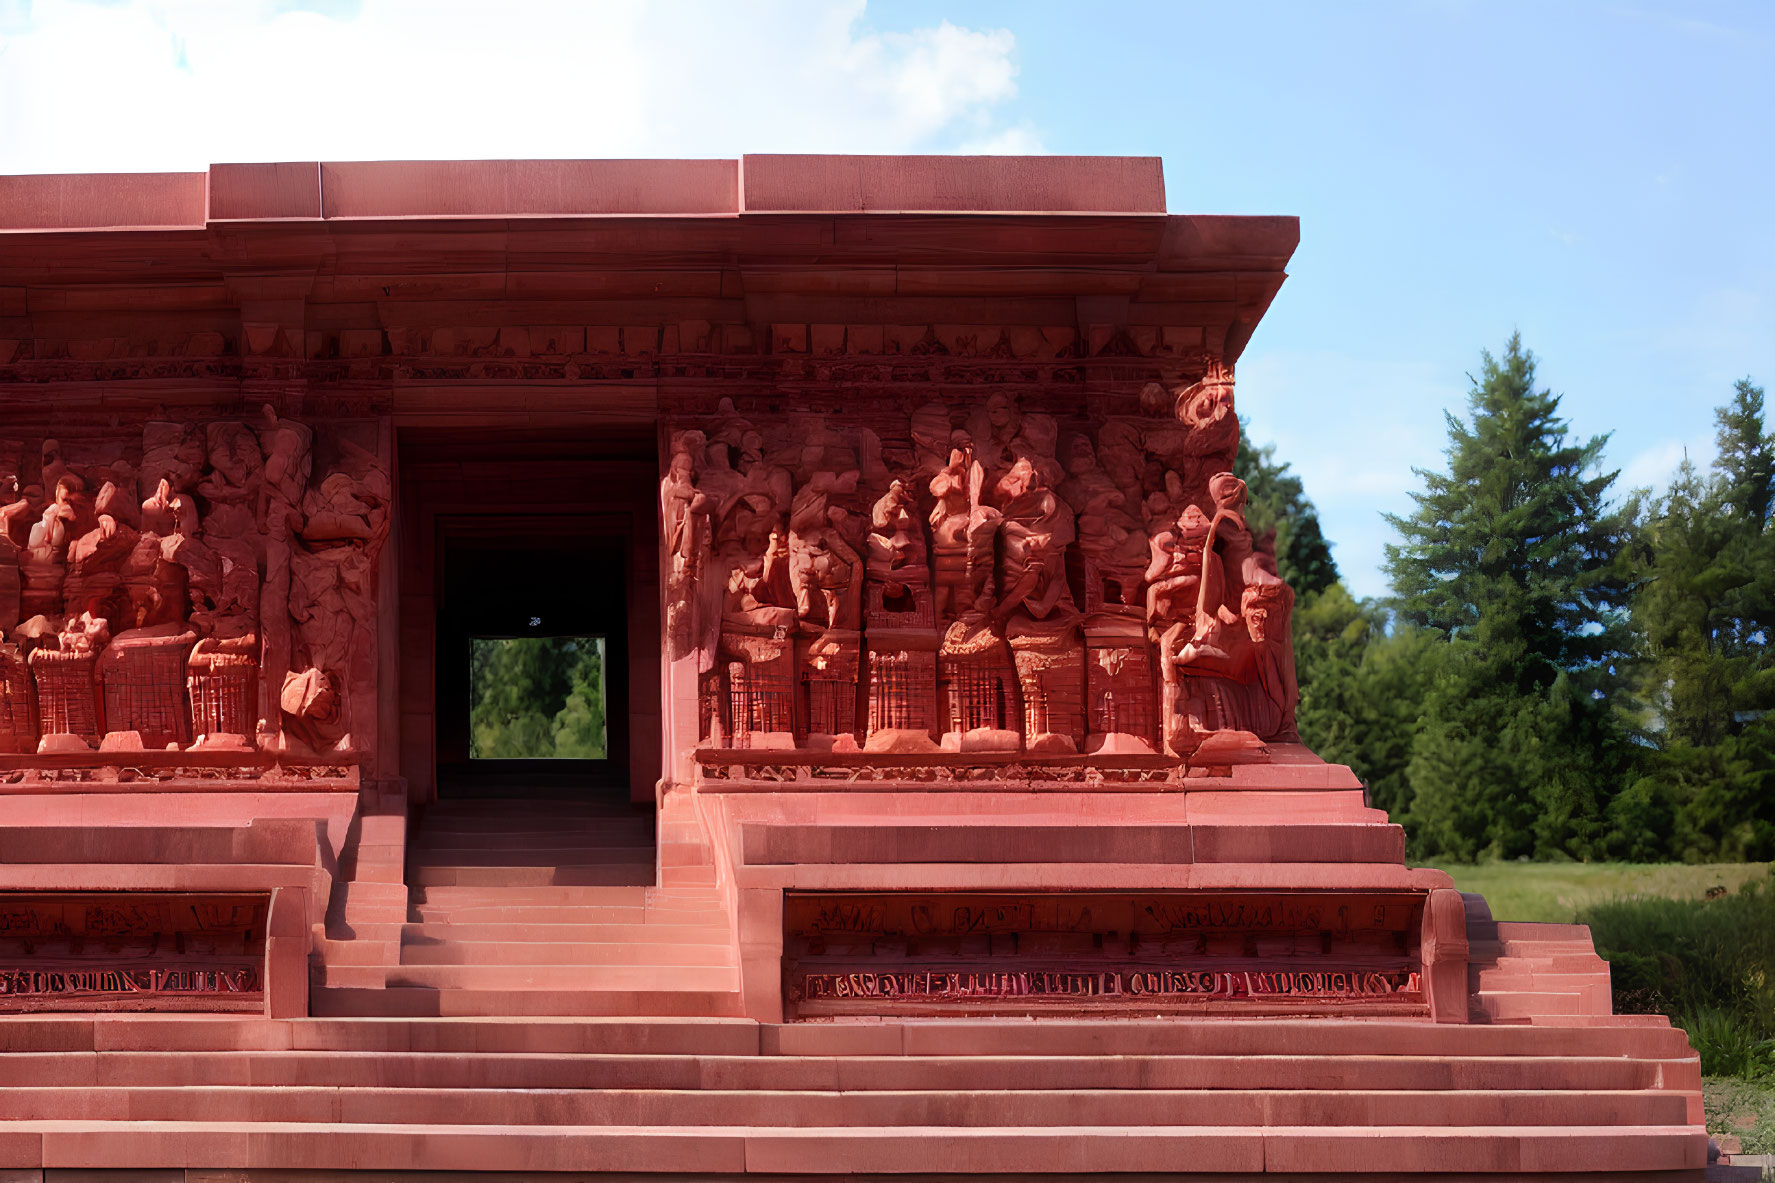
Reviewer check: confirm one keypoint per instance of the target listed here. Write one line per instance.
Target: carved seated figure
(1038, 613)
(68, 709)
(1236, 686)
(825, 569)
(96, 561)
(899, 576)
(1112, 541)
(757, 648)
(961, 530)
(977, 684)
(142, 672)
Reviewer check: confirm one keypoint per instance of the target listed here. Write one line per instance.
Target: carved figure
(684, 512)
(825, 569)
(1205, 407)
(1036, 528)
(977, 684)
(287, 446)
(1240, 682)
(13, 508)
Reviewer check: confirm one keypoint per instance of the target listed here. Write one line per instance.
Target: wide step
(959, 1107)
(1525, 1149)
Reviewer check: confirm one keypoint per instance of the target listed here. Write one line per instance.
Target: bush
(1708, 964)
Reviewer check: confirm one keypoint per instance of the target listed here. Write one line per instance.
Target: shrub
(1708, 964)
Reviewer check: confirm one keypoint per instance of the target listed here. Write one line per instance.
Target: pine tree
(1278, 501)
(1703, 615)
(1516, 560)
(1362, 684)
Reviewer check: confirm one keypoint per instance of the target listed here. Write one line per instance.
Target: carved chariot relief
(972, 576)
(204, 586)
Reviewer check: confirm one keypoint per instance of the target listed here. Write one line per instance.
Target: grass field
(1555, 892)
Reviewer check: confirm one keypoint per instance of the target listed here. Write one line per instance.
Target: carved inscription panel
(1229, 952)
(151, 952)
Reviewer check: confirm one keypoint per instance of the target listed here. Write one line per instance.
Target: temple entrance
(530, 624)
(529, 613)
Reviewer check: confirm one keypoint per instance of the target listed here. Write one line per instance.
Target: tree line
(1563, 668)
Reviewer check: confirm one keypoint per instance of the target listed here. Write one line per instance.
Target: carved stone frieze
(1002, 574)
(191, 585)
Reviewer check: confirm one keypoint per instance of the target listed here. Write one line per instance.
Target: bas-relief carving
(202, 585)
(987, 579)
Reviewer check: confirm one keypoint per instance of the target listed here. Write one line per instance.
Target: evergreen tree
(1703, 616)
(1361, 689)
(1278, 501)
(537, 698)
(1516, 561)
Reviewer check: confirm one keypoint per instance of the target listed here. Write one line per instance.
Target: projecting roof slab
(765, 184)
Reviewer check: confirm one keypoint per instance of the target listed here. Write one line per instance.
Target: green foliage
(1709, 964)
(1516, 564)
(1744, 1109)
(1556, 676)
(1278, 501)
(537, 698)
(1361, 688)
(1703, 618)
(1515, 551)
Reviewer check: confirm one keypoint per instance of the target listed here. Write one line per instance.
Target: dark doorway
(532, 658)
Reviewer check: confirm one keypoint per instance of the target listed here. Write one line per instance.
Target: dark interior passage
(530, 558)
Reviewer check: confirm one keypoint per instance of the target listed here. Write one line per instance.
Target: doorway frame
(459, 476)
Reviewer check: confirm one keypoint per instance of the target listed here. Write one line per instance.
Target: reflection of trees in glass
(536, 698)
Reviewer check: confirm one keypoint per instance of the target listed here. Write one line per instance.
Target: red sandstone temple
(951, 818)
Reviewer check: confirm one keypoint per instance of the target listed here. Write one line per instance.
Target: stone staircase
(714, 1097)
(532, 908)
(1520, 972)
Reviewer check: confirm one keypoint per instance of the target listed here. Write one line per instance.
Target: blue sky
(1600, 176)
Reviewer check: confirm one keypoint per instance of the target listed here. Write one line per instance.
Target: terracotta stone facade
(952, 819)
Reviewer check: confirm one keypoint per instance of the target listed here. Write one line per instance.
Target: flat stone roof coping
(422, 189)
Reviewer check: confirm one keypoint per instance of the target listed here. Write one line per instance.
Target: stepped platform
(542, 988)
(716, 1097)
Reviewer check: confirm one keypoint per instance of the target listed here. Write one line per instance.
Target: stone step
(520, 933)
(358, 951)
(570, 1070)
(527, 914)
(1555, 963)
(471, 840)
(427, 1001)
(1511, 977)
(1636, 1038)
(1524, 1004)
(1527, 1150)
(1226, 1037)
(961, 1107)
(614, 874)
(627, 975)
(564, 953)
(529, 860)
(219, 1037)
(494, 894)
(1493, 950)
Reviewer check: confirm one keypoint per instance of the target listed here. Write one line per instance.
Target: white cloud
(1653, 467)
(178, 84)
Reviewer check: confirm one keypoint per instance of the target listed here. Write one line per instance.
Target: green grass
(1742, 1110)
(1557, 892)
